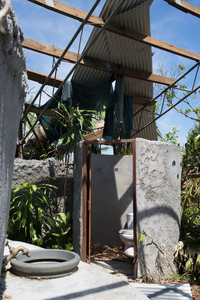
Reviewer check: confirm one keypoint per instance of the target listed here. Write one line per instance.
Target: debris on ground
(101, 254)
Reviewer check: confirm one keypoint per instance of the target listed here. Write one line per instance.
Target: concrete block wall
(13, 86)
(46, 171)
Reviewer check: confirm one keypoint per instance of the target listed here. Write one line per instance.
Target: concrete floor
(102, 279)
(89, 282)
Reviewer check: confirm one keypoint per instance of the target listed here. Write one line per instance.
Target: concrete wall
(158, 188)
(40, 171)
(13, 85)
(112, 196)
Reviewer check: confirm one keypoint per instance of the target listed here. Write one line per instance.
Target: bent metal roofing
(113, 48)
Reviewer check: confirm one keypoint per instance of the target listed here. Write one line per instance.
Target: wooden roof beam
(69, 11)
(37, 110)
(143, 101)
(94, 63)
(185, 6)
(115, 28)
(40, 78)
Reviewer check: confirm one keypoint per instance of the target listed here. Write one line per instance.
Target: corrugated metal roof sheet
(134, 14)
(164, 291)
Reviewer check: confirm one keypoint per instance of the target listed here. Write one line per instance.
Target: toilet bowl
(126, 235)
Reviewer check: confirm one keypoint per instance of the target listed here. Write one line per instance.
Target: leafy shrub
(57, 231)
(29, 208)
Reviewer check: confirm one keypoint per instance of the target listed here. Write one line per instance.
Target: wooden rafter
(93, 135)
(115, 28)
(185, 6)
(40, 78)
(143, 101)
(47, 112)
(69, 11)
(93, 63)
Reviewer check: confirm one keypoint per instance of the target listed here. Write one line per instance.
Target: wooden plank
(185, 6)
(142, 101)
(126, 32)
(95, 63)
(69, 11)
(99, 124)
(40, 78)
(48, 112)
(148, 40)
(93, 135)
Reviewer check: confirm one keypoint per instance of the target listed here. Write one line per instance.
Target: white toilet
(126, 235)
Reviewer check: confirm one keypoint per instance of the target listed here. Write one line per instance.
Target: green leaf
(23, 222)
(34, 187)
(51, 222)
(140, 238)
(19, 214)
(189, 265)
(197, 263)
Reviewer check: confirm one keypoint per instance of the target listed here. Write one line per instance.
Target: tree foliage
(191, 108)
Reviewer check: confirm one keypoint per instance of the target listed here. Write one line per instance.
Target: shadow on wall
(112, 197)
(158, 235)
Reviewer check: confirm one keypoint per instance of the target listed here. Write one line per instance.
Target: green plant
(187, 251)
(29, 208)
(188, 261)
(57, 231)
(74, 123)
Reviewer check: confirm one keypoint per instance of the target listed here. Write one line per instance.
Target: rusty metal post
(20, 137)
(89, 205)
(84, 205)
(134, 211)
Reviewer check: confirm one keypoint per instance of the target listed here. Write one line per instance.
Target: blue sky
(167, 24)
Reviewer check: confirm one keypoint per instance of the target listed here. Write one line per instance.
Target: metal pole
(63, 54)
(134, 212)
(81, 57)
(172, 85)
(167, 110)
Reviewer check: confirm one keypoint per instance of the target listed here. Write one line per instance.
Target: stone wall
(48, 171)
(13, 86)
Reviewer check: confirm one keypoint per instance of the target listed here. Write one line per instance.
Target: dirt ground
(114, 261)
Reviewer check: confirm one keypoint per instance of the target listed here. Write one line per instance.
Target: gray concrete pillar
(13, 86)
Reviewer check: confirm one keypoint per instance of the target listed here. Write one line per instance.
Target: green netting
(119, 107)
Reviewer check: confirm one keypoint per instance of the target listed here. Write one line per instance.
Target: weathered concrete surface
(158, 186)
(48, 171)
(112, 196)
(13, 85)
(87, 283)
(77, 203)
